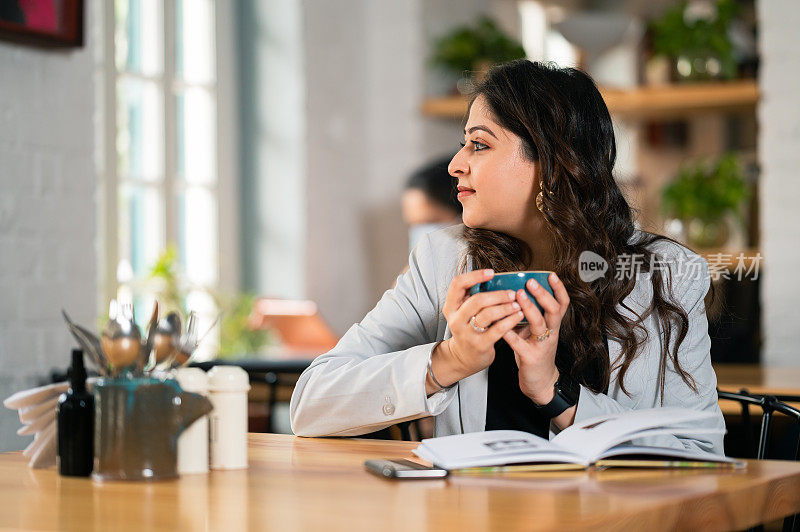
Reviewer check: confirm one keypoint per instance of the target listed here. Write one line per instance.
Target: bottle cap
(77, 371)
(192, 380)
(228, 379)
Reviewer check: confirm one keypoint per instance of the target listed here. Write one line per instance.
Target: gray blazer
(375, 376)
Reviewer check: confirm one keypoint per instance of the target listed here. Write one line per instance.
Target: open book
(602, 441)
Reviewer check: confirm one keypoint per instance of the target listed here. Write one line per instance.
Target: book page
(591, 437)
(494, 447)
(668, 452)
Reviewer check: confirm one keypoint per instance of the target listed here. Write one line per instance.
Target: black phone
(403, 469)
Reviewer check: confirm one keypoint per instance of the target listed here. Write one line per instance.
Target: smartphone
(403, 469)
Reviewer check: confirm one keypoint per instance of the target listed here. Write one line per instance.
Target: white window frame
(226, 188)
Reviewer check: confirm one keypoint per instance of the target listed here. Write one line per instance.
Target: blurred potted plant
(695, 36)
(470, 50)
(236, 338)
(704, 197)
(166, 280)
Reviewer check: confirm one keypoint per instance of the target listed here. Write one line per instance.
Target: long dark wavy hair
(566, 129)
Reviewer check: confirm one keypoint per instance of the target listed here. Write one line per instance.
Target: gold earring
(539, 198)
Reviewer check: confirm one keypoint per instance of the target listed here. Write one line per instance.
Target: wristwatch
(567, 391)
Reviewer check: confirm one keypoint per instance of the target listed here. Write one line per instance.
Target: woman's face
(493, 165)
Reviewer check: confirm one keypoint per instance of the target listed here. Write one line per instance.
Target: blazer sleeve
(694, 355)
(375, 376)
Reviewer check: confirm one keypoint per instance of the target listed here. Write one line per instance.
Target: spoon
(185, 348)
(146, 354)
(121, 338)
(166, 340)
(189, 347)
(89, 342)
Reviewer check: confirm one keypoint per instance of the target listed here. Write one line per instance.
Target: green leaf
(707, 191)
(465, 47)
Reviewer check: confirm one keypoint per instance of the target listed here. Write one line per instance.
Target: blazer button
(388, 408)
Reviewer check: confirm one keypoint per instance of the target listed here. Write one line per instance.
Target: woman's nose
(458, 166)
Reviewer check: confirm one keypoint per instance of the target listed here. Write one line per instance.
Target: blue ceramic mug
(515, 281)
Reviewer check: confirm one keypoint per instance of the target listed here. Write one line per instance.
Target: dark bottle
(76, 423)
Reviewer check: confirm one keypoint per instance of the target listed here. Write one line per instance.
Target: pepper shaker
(228, 387)
(193, 441)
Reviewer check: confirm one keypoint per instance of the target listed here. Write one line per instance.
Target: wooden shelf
(667, 101)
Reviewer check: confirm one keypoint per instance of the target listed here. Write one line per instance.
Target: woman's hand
(536, 359)
(470, 351)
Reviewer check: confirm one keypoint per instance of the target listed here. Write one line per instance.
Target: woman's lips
(463, 192)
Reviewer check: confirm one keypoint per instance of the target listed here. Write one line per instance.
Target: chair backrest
(299, 324)
(769, 404)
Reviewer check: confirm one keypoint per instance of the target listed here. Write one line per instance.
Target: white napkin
(37, 411)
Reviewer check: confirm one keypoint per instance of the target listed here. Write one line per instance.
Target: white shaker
(228, 387)
(193, 442)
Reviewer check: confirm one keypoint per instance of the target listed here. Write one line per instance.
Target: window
(540, 40)
(162, 117)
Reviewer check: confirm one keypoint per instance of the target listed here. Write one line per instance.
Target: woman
(535, 180)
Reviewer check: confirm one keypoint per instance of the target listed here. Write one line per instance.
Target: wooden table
(320, 484)
(758, 379)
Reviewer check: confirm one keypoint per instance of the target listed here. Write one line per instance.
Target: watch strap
(567, 390)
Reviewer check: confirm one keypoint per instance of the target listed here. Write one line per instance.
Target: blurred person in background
(430, 201)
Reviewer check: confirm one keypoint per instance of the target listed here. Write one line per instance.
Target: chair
(299, 325)
(769, 404)
(303, 331)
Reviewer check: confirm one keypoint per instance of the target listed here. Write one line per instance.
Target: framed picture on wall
(42, 22)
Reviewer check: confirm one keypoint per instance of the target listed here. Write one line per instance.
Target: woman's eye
(479, 145)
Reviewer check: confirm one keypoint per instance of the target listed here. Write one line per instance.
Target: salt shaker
(193, 442)
(228, 386)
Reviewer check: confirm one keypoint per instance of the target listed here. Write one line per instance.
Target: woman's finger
(488, 315)
(552, 309)
(524, 331)
(535, 319)
(547, 301)
(478, 302)
(460, 285)
(515, 341)
(560, 292)
(496, 331)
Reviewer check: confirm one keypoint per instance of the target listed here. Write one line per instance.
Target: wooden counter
(319, 484)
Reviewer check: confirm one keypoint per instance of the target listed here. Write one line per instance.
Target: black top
(507, 408)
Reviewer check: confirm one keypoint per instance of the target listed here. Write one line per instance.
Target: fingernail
(511, 295)
(555, 277)
(533, 284)
(488, 272)
(521, 293)
(515, 305)
(520, 314)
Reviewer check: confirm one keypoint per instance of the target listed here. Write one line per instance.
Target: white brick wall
(779, 130)
(47, 213)
(365, 129)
